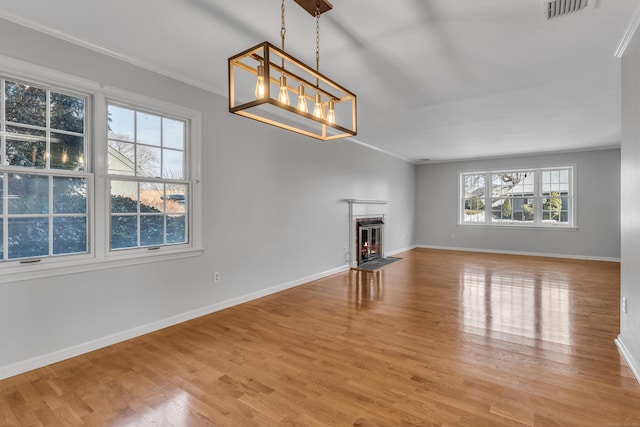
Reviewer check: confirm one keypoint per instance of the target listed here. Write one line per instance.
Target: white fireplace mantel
(366, 202)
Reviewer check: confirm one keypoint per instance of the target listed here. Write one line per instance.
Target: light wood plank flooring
(439, 338)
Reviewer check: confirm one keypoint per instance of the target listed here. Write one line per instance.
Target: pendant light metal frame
(275, 63)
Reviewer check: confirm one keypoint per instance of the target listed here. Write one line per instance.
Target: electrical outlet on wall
(216, 277)
(624, 305)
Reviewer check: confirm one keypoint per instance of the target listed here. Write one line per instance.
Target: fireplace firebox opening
(369, 233)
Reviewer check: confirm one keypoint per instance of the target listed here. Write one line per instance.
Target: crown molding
(61, 35)
(628, 34)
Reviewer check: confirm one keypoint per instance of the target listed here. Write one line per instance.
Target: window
(528, 197)
(149, 192)
(93, 177)
(43, 182)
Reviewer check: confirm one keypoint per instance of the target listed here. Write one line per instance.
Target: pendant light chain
(317, 41)
(283, 30)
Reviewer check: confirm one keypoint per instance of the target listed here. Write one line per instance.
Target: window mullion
(50, 215)
(5, 216)
(537, 191)
(3, 126)
(47, 149)
(99, 159)
(488, 190)
(138, 214)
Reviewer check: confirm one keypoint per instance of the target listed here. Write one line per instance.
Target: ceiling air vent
(557, 8)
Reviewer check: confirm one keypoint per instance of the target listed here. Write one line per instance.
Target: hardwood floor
(439, 338)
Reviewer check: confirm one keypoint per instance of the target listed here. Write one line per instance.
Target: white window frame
(99, 256)
(47, 171)
(538, 222)
(173, 114)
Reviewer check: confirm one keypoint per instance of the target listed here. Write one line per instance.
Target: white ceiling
(435, 79)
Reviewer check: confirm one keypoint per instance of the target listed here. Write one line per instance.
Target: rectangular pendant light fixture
(273, 87)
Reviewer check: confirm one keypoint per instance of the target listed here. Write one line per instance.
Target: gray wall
(597, 176)
(272, 217)
(629, 338)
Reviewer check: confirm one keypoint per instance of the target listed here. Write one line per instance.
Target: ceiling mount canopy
(263, 81)
(311, 6)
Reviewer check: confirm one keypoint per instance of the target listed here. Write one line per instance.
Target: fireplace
(369, 233)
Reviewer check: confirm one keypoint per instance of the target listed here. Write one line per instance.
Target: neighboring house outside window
(540, 197)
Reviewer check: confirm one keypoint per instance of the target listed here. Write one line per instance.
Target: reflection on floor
(535, 305)
(441, 338)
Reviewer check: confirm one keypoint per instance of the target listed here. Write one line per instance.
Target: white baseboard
(66, 353)
(540, 254)
(628, 357)
(397, 251)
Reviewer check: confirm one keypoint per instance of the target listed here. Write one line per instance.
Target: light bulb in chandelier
(65, 156)
(260, 83)
(283, 95)
(331, 112)
(302, 100)
(318, 109)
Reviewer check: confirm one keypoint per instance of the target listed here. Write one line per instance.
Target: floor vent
(557, 8)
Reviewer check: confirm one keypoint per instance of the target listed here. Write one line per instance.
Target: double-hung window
(93, 178)
(44, 184)
(539, 197)
(149, 189)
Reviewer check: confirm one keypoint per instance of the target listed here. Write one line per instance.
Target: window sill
(521, 227)
(49, 267)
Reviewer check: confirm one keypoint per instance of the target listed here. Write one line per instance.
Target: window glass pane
(28, 237)
(69, 235)
(176, 229)
(173, 134)
(124, 197)
(172, 164)
(151, 197)
(528, 210)
(122, 158)
(474, 193)
(26, 147)
(511, 183)
(512, 210)
(176, 198)
(148, 129)
(121, 123)
(1, 196)
(25, 104)
(28, 194)
(124, 231)
(67, 113)
(552, 208)
(148, 161)
(500, 210)
(151, 230)
(69, 195)
(67, 152)
(1, 239)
